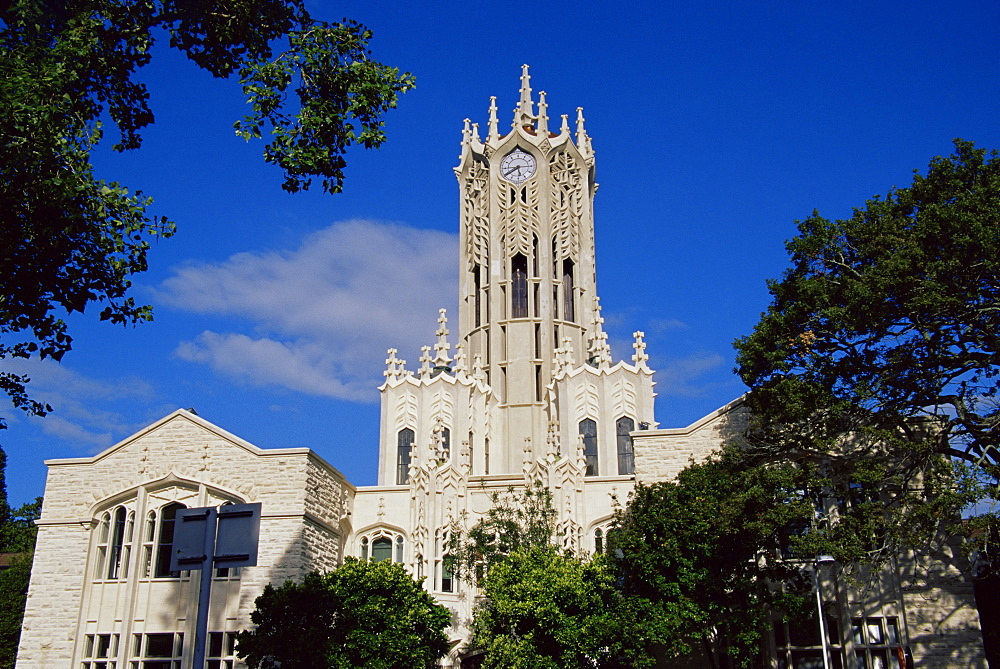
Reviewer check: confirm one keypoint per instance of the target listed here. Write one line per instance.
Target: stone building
(528, 391)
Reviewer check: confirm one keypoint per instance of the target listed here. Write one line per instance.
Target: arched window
(598, 540)
(165, 541)
(381, 549)
(626, 457)
(588, 430)
(381, 544)
(114, 544)
(569, 300)
(519, 286)
(404, 445)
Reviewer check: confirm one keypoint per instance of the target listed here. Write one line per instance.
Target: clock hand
(511, 170)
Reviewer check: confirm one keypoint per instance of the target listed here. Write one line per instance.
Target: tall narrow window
(447, 574)
(117, 541)
(486, 456)
(519, 286)
(569, 301)
(626, 457)
(588, 430)
(103, 531)
(446, 444)
(399, 549)
(165, 543)
(477, 279)
(364, 548)
(598, 540)
(404, 445)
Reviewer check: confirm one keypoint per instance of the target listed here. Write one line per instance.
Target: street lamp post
(820, 561)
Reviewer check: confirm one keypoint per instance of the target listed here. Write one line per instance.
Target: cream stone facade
(526, 392)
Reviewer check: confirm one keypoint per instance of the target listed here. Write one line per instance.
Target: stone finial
(465, 457)
(543, 115)
(564, 130)
(494, 133)
(466, 131)
(581, 134)
(525, 105)
(478, 373)
(441, 453)
(552, 441)
(475, 134)
(564, 356)
(425, 362)
(460, 366)
(395, 367)
(601, 353)
(441, 348)
(639, 357)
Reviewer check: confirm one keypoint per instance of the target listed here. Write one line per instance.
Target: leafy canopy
(704, 559)
(68, 67)
(549, 609)
(880, 353)
(516, 520)
(363, 614)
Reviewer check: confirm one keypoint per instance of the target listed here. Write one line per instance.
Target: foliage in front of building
(363, 614)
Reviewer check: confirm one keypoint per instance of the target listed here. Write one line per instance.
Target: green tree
(516, 520)
(17, 543)
(363, 614)
(67, 238)
(879, 355)
(703, 560)
(549, 609)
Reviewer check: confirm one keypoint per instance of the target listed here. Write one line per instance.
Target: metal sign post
(206, 536)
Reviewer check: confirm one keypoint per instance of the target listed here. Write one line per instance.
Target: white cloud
(76, 399)
(684, 377)
(321, 316)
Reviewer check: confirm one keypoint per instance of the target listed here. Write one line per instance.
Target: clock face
(517, 166)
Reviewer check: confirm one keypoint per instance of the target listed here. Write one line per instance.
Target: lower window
(157, 651)
(221, 650)
(99, 651)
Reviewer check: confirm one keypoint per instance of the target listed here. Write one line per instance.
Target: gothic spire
(525, 105)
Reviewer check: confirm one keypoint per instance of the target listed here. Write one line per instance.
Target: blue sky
(716, 126)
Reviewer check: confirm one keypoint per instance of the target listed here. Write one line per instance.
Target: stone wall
(661, 454)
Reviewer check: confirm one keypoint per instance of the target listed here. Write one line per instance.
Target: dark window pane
(569, 298)
(165, 546)
(404, 445)
(381, 549)
(626, 458)
(159, 645)
(519, 286)
(588, 429)
(804, 632)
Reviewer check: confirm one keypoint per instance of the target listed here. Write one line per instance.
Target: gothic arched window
(519, 286)
(381, 549)
(165, 541)
(404, 445)
(626, 457)
(382, 544)
(588, 430)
